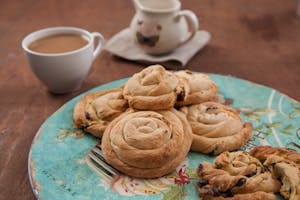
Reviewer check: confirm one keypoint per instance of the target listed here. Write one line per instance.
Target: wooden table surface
(256, 40)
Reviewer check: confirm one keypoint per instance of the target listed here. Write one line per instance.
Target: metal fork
(97, 162)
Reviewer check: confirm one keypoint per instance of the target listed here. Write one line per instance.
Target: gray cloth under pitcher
(123, 45)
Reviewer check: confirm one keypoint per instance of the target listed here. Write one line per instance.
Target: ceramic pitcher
(159, 26)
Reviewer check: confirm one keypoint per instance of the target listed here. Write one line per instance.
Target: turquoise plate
(58, 169)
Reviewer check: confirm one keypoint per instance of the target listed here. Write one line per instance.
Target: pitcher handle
(192, 21)
(100, 44)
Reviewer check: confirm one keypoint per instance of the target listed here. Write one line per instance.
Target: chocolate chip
(227, 193)
(84, 126)
(200, 167)
(214, 151)
(211, 153)
(202, 183)
(88, 116)
(180, 96)
(241, 182)
(215, 192)
(251, 174)
(211, 108)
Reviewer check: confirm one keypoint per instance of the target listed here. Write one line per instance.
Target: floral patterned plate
(58, 168)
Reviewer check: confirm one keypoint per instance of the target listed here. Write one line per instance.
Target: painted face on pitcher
(148, 33)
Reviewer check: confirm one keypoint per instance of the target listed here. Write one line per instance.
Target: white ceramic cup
(62, 72)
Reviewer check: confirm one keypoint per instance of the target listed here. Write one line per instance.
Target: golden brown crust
(216, 128)
(198, 88)
(147, 144)
(218, 179)
(262, 152)
(95, 110)
(253, 196)
(233, 174)
(239, 163)
(289, 176)
(287, 171)
(262, 182)
(154, 88)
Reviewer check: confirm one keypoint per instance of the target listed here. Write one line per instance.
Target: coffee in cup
(61, 56)
(59, 43)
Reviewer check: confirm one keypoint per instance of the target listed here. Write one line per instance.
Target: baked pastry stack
(95, 110)
(197, 87)
(147, 144)
(152, 138)
(216, 128)
(154, 88)
(149, 125)
(258, 175)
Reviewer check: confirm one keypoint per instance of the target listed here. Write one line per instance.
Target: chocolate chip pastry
(236, 175)
(154, 88)
(253, 196)
(198, 88)
(95, 110)
(241, 163)
(216, 128)
(285, 165)
(263, 152)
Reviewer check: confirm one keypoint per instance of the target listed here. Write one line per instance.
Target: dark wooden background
(257, 40)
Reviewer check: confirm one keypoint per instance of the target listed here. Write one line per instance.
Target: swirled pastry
(253, 196)
(217, 180)
(235, 174)
(198, 88)
(285, 165)
(265, 182)
(216, 128)
(154, 88)
(95, 110)
(262, 153)
(238, 163)
(288, 173)
(147, 144)
(241, 163)
(290, 182)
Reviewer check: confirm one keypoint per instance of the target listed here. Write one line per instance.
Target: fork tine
(97, 150)
(98, 169)
(105, 165)
(97, 162)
